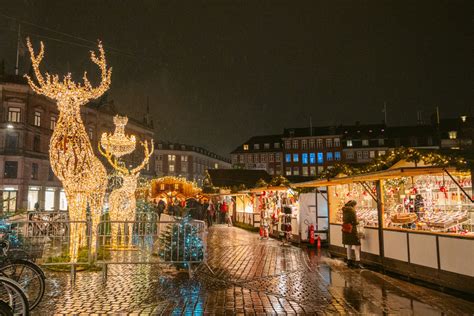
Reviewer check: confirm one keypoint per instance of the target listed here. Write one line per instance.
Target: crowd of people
(217, 212)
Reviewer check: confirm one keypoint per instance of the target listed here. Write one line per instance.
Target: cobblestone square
(250, 277)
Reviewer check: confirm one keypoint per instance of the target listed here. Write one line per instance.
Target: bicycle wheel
(12, 294)
(5, 309)
(30, 277)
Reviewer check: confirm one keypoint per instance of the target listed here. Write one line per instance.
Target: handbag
(360, 231)
(347, 228)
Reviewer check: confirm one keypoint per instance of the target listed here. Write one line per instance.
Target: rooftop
(163, 145)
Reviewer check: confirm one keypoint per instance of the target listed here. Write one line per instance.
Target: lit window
(263, 158)
(246, 147)
(171, 157)
(216, 166)
(453, 134)
(184, 158)
(312, 171)
(320, 158)
(337, 142)
(337, 155)
(319, 143)
(382, 152)
(288, 171)
(255, 158)
(350, 155)
(311, 144)
(304, 144)
(14, 114)
(296, 171)
(329, 156)
(295, 157)
(270, 157)
(37, 118)
(295, 144)
(312, 158)
(349, 143)
(463, 118)
(328, 143)
(276, 145)
(256, 146)
(277, 157)
(381, 141)
(53, 122)
(171, 168)
(288, 158)
(266, 146)
(359, 155)
(365, 142)
(287, 144)
(372, 154)
(304, 158)
(305, 171)
(184, 167)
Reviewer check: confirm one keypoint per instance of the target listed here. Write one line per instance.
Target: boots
(350, 263)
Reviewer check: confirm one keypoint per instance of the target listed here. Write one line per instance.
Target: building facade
(27, 121)
(260, 153)
(190, 162)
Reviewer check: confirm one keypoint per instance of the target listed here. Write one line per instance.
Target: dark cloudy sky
(219, 71)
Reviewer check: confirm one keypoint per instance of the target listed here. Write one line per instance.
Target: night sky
(217, 72)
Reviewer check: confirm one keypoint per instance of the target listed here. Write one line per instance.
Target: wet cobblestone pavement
(251, 277)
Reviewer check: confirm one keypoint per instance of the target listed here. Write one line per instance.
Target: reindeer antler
(113, 161)
(148, 154)
(53, 88)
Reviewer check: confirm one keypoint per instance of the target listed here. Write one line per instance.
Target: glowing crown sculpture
(118, 143)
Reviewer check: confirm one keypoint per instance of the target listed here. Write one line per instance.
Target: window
(312, 171)
(365, 142)
(271, 171)
(288, 158)
(216, 166)
(37, 143)
(49, 200)
(312, 158)
(337, 155)
(160, 157)
(270, 157)
(37, 121)
(9, 201)
(288, 171)
(11, 169)
(235, 159)
(295, 144)
(33, 197)
(184, 158)
(359, 155)
(349, 143)
(320, 169)
(171, 168)
(184, 167)
(304, 158)
(350, 155)
(453, 134)
(320, 158)
(256, 146)
(255, 158)
(277, 157)
(337, 142)
(34, 171)
(11, 141)
(296, 171)
(372, 154)
(250, 158)
(319, 143)
(276, 145)
(305, 171)
(381, 152)
(295, 158)
(62, 201)
(171, 157)
(287, 144)
(304, 144)
(311, 144)
(263, 158)
(50, 174)
(328, 143)
(14, 114)
(266, 146)
(329, 156)
(381, 141)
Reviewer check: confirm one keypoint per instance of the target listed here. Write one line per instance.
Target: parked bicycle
(13, 300)
(15, 265)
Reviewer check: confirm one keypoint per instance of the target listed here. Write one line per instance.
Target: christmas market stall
(173, 191)
(417, 218)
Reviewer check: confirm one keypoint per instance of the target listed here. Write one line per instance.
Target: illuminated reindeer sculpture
(70, 152)
(122, 201)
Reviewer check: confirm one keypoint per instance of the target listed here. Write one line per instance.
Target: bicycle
(13, 300)
(26, 273)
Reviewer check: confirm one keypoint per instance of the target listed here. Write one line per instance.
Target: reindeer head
(66, 92)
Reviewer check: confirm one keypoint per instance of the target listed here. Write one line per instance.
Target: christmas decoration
(181, 243)
(72, 159)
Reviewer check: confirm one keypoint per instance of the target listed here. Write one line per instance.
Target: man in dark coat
(350, 237)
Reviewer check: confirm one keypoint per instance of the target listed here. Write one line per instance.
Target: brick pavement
(251, 277)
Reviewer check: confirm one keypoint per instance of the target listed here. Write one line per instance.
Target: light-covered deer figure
(122, 201)
(70, 152)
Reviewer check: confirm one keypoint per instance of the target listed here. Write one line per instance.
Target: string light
(122, 200)
(72, 159)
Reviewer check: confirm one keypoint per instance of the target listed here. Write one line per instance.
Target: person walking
(210, 213)
(225, 210)
(350, 237)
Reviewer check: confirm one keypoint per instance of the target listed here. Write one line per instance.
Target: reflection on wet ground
(250, 276)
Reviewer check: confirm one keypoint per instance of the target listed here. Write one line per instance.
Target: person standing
(350, 237)
(210, 213)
